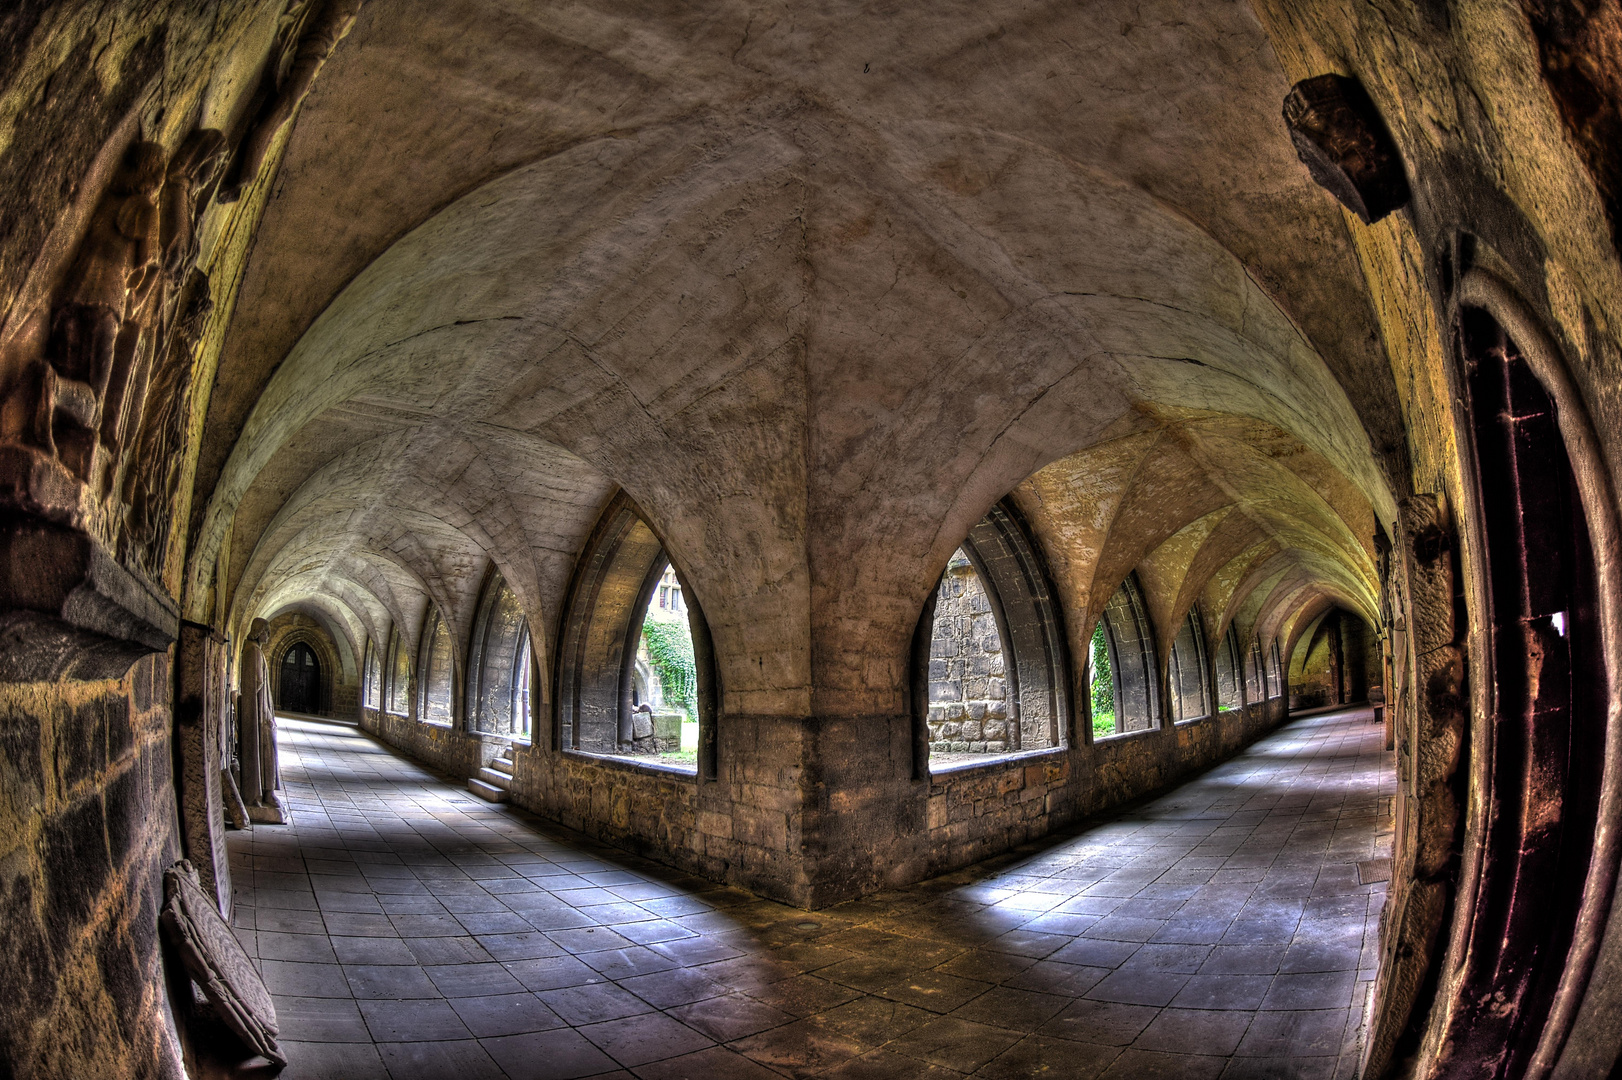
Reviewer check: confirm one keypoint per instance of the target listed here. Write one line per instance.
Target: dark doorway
(301, 680)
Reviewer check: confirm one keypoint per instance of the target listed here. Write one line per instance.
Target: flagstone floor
(1226, 929)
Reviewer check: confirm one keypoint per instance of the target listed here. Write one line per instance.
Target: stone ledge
(67, 576)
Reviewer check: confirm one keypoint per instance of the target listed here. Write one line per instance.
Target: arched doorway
(300, 682)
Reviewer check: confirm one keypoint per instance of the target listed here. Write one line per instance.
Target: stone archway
(289, 632)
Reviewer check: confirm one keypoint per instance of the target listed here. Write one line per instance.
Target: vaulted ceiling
(816, 286)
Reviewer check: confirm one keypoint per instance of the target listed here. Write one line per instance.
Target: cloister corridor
(1227, 928)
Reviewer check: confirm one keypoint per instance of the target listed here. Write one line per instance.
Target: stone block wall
(743, 828)
(87, 826)
(445, 749)
(968, 688)
(868, 825)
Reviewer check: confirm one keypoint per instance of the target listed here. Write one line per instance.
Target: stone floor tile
(638, 1040)
(289, 921)
(935, 991)
(432, 951)
(677, 986)
(1153, 1065)
(560, 1054)
(882, 1064)
(1194, 1031)
(551, 972)
(593, 1003)
(505, 1014)
(459, 1060)
(1304, 1033)
(1131, 987)
(1223, 992)
(804, 995)
(1104, 1022)
(332, 1061)
(712, 1063)
(1243, 960)
(1319, 990)
(732, 1017)
(1013, 1009)
(322, 1019)
(954, 1043)
(473, 980)
(695, 949)
(1088, 952)
(304, 980)
(873, 1021)
(1185, 959)
(798, 1049)
(308, 948)
(1040, 1057)
(1280, 1068)
(413, 1021)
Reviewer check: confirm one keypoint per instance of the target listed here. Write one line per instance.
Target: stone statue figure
(324, 24)
(94, 321)
(256, 732)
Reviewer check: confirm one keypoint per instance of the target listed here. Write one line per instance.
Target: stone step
(503, 764)
(502, 780)
(487, 792)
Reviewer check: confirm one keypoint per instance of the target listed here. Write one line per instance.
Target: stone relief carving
(211, 954)
(95, 322)
(1342, 140)
(313, 31)
(76, 392)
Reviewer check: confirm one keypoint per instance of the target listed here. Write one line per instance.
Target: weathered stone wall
(87, 826)
(968, 688)
(446, 749)
(869, 826)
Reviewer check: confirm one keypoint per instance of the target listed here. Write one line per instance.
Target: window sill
(1018, 757)
(1195, 720)
(631, 764)
(1123, 735)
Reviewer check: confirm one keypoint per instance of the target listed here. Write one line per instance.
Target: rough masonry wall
(448, 750)
(87, 826)
(869, 826)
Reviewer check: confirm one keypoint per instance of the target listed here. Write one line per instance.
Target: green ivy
(1103, 684)
(670, 648)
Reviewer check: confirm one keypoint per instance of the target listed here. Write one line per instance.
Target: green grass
(1103, 724)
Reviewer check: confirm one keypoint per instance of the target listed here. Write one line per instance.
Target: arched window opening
(437, 674)
(1101, 679)
(1275, 672)
(1128, 644)
(372, 678)
(992, 664)
(1544, 735)
(523, 676)
(1190, 694)
(500, 669)
(636, 677)
(664, 693)
(399, 688)
(1255, 672)
(968, 685)
(1230, 682)
(300, 680)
